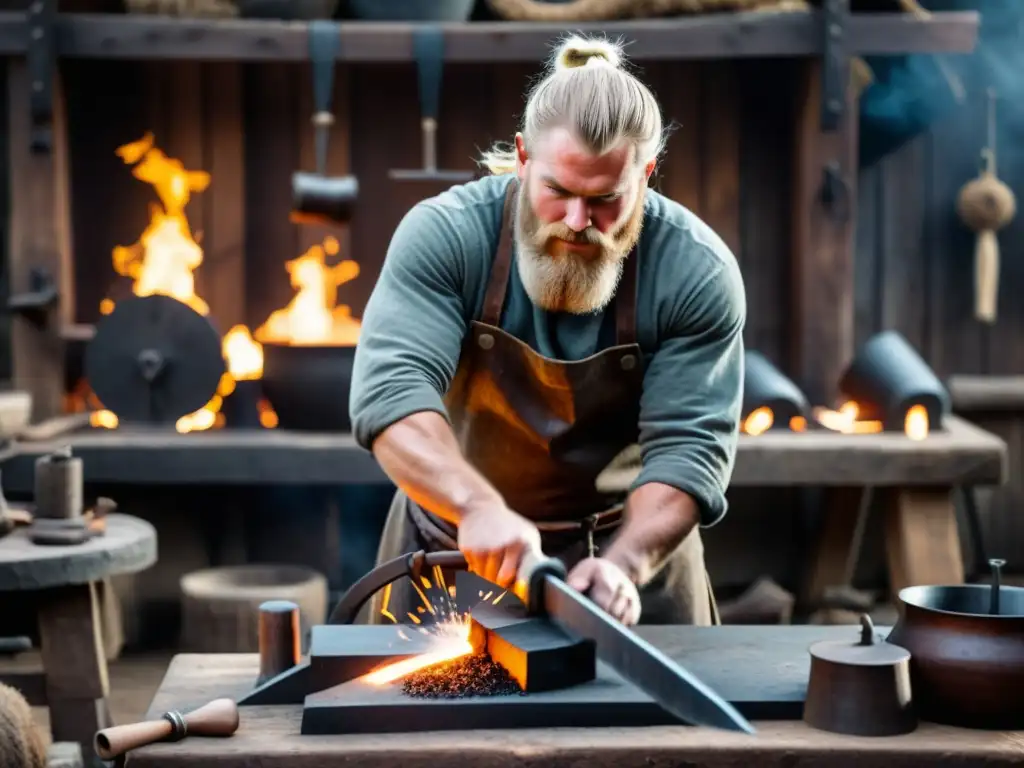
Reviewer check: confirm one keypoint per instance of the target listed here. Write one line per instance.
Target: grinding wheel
(153, 360)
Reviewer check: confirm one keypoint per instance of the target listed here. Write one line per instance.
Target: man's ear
(521, 156)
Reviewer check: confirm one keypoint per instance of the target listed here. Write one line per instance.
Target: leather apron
(541, 431)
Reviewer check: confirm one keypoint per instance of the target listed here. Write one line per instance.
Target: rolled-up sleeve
(693, 391)
(412, 328)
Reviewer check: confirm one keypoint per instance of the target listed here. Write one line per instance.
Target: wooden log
(220, 606)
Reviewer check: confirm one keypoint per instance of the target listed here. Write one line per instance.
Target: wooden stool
(67, 581)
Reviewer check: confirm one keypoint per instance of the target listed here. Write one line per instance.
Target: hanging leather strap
(497, 286)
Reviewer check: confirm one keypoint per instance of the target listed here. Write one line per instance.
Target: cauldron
(308, 386)
(966, 660)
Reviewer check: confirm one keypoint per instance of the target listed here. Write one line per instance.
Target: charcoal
(466, 677)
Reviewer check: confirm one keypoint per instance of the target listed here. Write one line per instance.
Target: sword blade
(639, 662)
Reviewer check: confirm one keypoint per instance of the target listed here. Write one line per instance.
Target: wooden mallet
(218, 718)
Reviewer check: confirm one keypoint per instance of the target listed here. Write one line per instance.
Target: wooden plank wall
(915, 263)
(728, 159)
(248, 125)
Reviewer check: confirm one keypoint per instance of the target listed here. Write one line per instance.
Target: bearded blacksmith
(530, 325)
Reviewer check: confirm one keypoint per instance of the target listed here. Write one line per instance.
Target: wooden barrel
(220, 606)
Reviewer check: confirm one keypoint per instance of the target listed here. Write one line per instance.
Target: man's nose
(577, 214)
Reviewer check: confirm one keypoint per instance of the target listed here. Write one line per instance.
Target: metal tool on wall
(316, 197)
(428, 51)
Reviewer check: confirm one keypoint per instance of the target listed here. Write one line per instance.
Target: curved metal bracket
(35, 304)
(411, 565)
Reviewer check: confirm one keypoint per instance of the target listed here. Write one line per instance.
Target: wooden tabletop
(127, 546)
(270, 735)
(960, 454)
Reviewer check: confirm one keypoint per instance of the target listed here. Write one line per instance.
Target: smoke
(911, 93)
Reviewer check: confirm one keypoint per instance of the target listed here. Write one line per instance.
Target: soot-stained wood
(39, 237)
(146, 36)
(822, 315)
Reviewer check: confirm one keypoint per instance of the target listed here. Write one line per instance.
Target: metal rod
(997, 566)
(429, 144)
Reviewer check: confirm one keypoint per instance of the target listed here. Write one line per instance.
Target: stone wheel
(220, 606)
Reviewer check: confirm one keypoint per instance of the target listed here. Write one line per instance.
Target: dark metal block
(888, 377)
(765, 386)
(339, 653)
(360, 707)
(538, 654)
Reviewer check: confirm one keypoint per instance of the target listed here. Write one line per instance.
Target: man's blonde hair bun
(578, 51)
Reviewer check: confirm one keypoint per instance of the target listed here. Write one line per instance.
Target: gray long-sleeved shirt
(691, 309)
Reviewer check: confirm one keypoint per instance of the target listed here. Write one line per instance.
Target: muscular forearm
(421, 456)
(657, 519)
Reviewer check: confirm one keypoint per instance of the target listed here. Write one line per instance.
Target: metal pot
(308, 386)
(411, 10)
(966, 660)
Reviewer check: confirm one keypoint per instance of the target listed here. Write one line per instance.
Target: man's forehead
(563, 161)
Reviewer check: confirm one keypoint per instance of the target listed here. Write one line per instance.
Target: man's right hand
(494, 539)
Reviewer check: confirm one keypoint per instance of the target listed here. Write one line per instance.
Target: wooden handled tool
(218, 718)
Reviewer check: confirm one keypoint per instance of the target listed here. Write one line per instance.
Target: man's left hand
(608, 586)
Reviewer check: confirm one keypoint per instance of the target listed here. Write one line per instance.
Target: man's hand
(494, 539)
(608, 586)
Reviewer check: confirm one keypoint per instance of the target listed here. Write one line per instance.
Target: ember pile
(467, 676)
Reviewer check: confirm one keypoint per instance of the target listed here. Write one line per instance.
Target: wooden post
(822, 294)
(40, 237)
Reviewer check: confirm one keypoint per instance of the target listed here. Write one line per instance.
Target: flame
(759, 421)
(163, 262)
(452, 643)
(313, 316)
(916, 424)
(847, 421)
(451, 632)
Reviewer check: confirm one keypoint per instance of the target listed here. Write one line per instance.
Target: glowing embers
(770, 400)
(887, 388)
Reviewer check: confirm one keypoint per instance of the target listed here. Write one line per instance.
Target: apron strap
(497, 286)
(494, 299)
(625, 300)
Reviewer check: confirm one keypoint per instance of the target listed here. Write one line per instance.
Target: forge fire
(163, 261)
(457, 666)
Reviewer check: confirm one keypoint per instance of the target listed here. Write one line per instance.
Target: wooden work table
(773, 658)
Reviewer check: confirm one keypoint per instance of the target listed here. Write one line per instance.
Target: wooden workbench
(776, 657)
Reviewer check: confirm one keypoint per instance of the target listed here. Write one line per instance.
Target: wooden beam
(40, 237)
(712, 36)
(981, 393)
(961, 454)
(822, 330)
